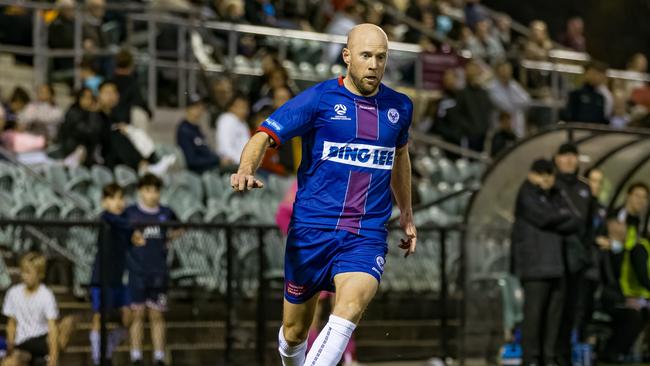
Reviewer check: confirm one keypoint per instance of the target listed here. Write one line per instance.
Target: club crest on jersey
(341, 113)
(393, 115)
(367, 156)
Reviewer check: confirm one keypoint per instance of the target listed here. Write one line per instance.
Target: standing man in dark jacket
(475, 107)
(577, 256)
(448, 121)
(588, 104)
(128, 87)
(189, 137)
(541, 220)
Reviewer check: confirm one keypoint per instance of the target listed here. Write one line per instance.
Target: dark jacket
(542, 218)
(130, 96)
(448, 122)
(475, 107)
(586, 105)
(198, 155)
(80, 128)
(61, 35)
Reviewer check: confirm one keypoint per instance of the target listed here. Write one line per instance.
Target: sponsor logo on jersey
(367, 156)
(273, 123)
(341, 113)
(393, 115)
(380, 262)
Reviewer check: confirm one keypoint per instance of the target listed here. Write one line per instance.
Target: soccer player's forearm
(253, 153)
(400, 182)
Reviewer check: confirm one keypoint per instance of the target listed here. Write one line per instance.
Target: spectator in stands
(538, 44)
(448, 122)
(507, 95)
(129, 89)
(260, 12)
(147, 266)
(93, 36)
(502, 30)
(81, 129)
(189, 137)
(116, 244)
(485, 45)
(61, 33)
(504, 137)
(233, 131)
(119, 141)
(631, 285)
(542, 219)
(342, 23)
(33, 334)
(475, 108)
(42, 116)
(221, 93)
(278, 97)
(421, 11)
(90, 74)
(574, 37)
(638, 63)
(474, 13)
(620, 116)
(588, 104)
(17, 102)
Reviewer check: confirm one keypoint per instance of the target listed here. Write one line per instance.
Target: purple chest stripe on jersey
(367, 120)
(354, 207)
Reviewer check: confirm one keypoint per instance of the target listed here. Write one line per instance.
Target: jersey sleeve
(403, 137)
(294, 118)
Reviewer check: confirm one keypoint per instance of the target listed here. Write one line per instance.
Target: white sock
(331, 342)
(159, 355)
(291, 355)
(95, 346)
(136, 354)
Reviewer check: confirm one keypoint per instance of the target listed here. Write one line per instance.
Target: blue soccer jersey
(152, 257)
(348, 144)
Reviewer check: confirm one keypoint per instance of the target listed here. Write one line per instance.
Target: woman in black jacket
(542, 218)
(79, 128)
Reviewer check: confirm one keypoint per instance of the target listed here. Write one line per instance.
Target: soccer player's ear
(346, 55)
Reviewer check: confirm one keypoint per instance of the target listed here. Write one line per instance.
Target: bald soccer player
(354, 133)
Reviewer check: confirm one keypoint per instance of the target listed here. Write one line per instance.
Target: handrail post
(78, 39)
(443, 294)
(152, 72)
(261, 300)
(230, 301)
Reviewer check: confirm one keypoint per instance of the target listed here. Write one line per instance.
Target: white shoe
(161, 167)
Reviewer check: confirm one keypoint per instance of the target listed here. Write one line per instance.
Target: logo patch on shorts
(380, 264)
(295, 290)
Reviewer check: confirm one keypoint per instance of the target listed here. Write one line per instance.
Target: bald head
(365, 54)
(366, 33)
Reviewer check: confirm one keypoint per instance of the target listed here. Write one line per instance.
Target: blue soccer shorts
(116, 298)
(314, 256)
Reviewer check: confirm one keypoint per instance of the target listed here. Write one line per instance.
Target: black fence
(226, 286)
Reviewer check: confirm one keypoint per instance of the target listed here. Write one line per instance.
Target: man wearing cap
(578, 245)
(542, 218)
(189, 137)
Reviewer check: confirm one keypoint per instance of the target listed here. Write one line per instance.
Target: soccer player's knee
(349, 309)
(295, 332)
(138, 314)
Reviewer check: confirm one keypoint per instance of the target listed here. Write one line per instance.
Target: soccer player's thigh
(297, 319)
(354, 291)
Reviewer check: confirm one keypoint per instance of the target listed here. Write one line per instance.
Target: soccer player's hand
(244, 182)
(410, 242)
(138, 239)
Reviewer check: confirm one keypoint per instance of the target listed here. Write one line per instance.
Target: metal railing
(241, 253)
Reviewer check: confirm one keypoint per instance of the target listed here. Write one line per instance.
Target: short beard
(359, 85)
